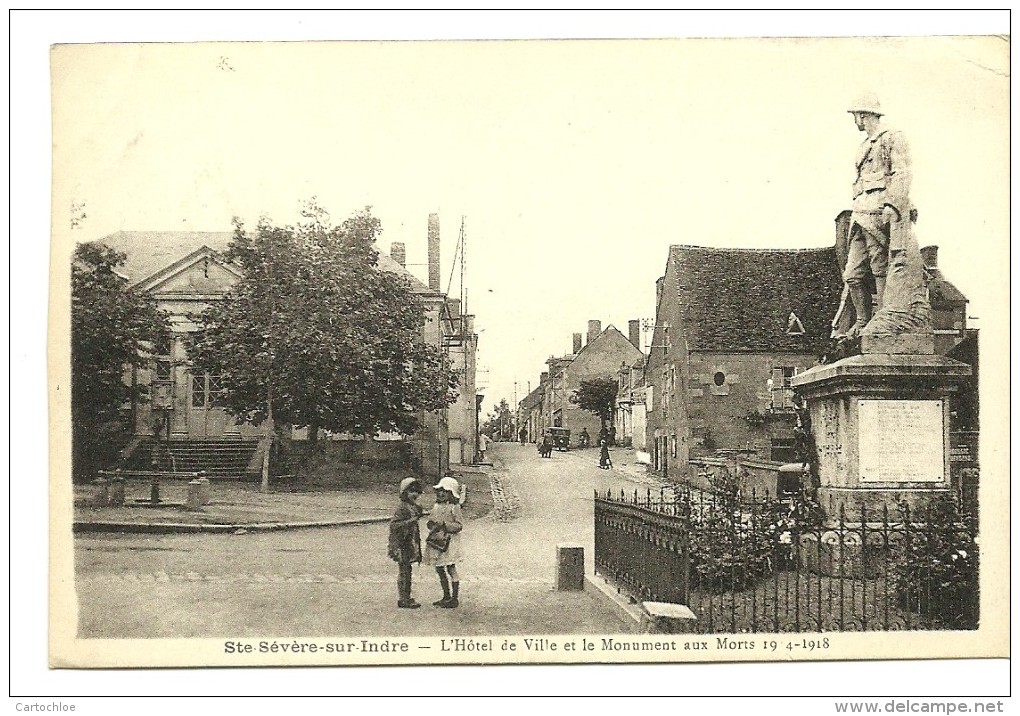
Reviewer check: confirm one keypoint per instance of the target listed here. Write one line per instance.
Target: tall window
(205, 390)
(163, 376)
(781, 387)
(665, 398)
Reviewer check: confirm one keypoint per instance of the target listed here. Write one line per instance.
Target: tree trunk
(271, 431)
(313, 432)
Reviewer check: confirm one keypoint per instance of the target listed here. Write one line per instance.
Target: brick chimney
(842, 225)
(634, 333)
(658, 291)
(544, 378)
(434, 252)
(930, 254)
(398, 253)
(577, 343)
(594, 329)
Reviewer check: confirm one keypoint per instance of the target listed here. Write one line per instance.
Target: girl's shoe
(441, 602)
(451, 603)
(408, 604)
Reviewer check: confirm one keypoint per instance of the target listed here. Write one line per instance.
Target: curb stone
(625, 606)
(183, 528)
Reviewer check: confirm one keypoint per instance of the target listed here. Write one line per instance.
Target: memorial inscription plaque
(901, 441)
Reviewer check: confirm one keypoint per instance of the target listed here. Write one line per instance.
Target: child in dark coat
(405, 539)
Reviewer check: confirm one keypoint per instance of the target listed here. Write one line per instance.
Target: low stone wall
(758, 477)
(384, 453)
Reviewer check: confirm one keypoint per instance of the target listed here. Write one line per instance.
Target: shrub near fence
(745, 565)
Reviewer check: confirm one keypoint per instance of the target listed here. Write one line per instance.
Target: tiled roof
(151, 251)
(533, 398)
(741, 299)
(941, 292)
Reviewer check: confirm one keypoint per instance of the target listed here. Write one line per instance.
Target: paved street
(338, 581)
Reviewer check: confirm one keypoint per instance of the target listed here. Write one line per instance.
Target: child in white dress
(442, 547)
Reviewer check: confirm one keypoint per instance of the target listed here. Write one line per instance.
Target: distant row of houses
(185, 271)
(554, 402)
(731, 329)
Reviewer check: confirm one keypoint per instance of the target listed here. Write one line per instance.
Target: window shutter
(778, 393)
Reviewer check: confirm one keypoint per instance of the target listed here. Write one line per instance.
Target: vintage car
(560, 438)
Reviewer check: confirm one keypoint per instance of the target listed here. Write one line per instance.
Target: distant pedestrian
(605, 462)
(483, 445)
(584, 439)
(603, 434)
(612, 436)
(442, 546)
(522, 435)
(405, 539)
(545, 447)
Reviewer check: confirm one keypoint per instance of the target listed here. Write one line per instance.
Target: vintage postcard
(532, 352)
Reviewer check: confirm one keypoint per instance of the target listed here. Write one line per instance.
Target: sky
(573, 165)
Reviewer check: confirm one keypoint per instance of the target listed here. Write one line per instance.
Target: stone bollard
(569, 567)
(195, 495)
(117, 491)
(205, 490)
(102, 496)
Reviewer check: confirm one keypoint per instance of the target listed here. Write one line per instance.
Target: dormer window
(793, 325)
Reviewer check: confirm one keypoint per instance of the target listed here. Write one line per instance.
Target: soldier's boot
(861, 299)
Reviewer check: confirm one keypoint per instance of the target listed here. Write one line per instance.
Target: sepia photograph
(661, 350)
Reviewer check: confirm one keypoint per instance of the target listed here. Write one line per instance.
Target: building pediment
(201, 273)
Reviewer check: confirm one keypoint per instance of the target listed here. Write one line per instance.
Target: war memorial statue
(882, 258)
(879, 403)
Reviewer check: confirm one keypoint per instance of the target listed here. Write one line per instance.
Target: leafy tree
(733, 542)
(500, 422)
(598, 396)
(113, 328)
(316, 331)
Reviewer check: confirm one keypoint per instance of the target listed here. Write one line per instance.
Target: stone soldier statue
(880, 243)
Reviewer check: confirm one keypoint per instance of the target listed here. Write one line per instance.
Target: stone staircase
(219, 459)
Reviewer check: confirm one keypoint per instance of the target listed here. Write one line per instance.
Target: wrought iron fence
(768, 565)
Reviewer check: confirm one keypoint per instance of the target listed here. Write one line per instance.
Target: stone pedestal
(117, 489)
(101, 498)
(194, 501)
(204, 489)
(880, 422)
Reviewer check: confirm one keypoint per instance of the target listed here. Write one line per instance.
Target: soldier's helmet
(866, 102)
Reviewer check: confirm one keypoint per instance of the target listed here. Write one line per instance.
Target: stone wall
(721, 412)
(385, 453)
